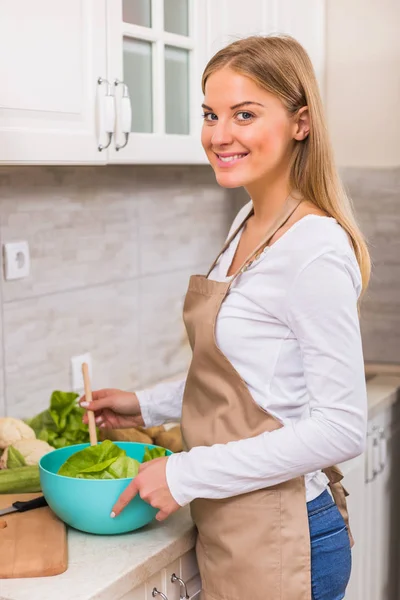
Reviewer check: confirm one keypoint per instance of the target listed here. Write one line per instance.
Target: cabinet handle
(109, 113)
(126, 113)
(375, 445)
(382, 449)
(155, 593)
(182, 584)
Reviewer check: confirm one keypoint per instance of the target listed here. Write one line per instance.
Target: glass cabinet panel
(176, 16)
(137, 12)
(176, 90)
(138, 74)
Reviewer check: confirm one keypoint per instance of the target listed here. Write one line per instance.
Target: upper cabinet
(52, 54)
(156, 53)
(229, 20)
(119, 81)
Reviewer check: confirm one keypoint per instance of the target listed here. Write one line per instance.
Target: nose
(221, 134)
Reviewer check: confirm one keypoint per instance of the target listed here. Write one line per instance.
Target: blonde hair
(279, 64)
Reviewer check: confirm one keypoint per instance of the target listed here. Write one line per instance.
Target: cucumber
(20, 480)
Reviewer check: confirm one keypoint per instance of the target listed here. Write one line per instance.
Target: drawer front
(138, 593)
(189, 566)
(184, 567)
(172, 589)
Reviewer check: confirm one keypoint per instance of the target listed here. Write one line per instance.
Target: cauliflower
(13, 430)
(32, 450)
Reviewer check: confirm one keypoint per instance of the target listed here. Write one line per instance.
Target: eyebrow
(246, 103)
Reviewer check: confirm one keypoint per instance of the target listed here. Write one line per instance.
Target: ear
(302, 124)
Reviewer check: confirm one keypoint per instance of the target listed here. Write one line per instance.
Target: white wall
(363, 81)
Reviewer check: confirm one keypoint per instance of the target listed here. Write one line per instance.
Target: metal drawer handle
(182, 584)
(109, 112)
(126, 113)
(155, 593)
(375, 444)
(382, 449)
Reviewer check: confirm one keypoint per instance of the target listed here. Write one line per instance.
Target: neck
(268, 198)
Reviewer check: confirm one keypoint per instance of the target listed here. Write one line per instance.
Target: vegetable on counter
(24, 452)
(20, 480)
(12, 430)
(61, 424)
(105, 461)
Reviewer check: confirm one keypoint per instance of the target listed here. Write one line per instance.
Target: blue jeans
(330, 549)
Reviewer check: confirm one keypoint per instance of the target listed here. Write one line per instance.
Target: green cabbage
(61, 424)
(105, 461)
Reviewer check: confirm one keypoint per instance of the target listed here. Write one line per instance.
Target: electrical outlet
(16, 260)
(76, 371)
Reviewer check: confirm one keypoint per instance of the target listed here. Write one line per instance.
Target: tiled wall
(376, 198)
(111, 251)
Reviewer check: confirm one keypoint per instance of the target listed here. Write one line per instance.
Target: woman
(275, 393)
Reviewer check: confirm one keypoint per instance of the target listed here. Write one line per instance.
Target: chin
(229, 180)
(232, 180)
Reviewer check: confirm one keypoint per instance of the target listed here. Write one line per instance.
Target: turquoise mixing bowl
(86, 504)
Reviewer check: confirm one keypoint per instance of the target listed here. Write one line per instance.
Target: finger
(145, 465)
(127, 495)
(162, 515)
(98, 402)
(150, 463)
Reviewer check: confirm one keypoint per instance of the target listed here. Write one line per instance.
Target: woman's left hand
(151, 484)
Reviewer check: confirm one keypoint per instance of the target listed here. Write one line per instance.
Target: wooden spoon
(88, 394)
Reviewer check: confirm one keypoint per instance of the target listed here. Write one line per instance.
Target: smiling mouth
(234, 157)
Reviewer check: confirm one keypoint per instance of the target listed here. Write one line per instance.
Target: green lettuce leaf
(61, 424)
(104, 461)
(151, 453)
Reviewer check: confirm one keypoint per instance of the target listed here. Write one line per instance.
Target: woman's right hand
(114, 409)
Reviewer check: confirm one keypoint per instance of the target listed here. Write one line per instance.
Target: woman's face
(247, 132)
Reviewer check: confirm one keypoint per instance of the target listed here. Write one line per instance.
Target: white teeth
(230, 158)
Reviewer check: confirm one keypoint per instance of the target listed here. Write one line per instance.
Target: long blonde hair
(279, 64)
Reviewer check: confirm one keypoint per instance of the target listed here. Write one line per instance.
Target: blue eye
(246, 116)
(209, 114)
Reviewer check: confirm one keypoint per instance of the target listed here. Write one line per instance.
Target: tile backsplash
(376, 199)
(111, 252)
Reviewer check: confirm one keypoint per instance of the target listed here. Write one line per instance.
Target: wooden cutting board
(33, 543)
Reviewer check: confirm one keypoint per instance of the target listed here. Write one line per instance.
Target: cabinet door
(229, 20)
(157, 49)
(304, 20)
(53, 53)
(354, 482)
(373, 512)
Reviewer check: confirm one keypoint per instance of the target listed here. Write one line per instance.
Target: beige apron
(253, 546)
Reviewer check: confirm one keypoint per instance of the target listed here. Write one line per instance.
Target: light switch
(76, 371)
(16, 260)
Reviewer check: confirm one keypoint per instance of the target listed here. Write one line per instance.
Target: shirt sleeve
(162, 403)
(321, 311)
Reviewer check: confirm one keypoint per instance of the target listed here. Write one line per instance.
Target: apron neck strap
(289, 207)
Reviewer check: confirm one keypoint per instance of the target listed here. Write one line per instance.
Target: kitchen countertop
(107, 567)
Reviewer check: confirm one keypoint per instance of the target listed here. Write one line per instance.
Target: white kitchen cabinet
(52, 56)
(185, 568)
(372, 482)
(155, 55)
(66, 62)
(354, 475)
(227, 22)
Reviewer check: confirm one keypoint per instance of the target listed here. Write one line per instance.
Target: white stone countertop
(107, 567)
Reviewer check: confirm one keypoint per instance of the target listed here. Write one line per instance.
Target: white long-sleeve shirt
(290, 327)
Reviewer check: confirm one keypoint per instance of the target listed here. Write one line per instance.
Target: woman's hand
(114, 409)
(151, 484)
